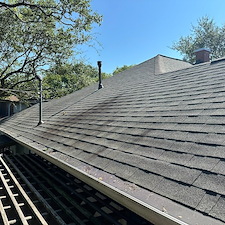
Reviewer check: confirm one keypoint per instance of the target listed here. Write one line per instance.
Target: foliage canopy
(206, 34)
(35, 34)
(121, 69)
(64, 79)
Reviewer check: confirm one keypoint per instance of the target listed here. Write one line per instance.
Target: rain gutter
(144, 210)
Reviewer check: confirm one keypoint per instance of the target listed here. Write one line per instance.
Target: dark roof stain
(158, 125)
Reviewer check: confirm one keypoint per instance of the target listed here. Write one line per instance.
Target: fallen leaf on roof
(164, 210)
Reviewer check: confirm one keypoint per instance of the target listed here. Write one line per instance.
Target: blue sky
(133, 31)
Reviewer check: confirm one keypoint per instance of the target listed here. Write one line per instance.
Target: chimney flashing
(202, 49)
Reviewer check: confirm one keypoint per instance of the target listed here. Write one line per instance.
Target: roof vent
(202, 55)
(100, 85)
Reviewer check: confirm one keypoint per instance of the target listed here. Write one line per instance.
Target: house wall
(8, 108)
(3, 109)
(19, 107)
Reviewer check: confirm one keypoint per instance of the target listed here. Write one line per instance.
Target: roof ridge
(169, 57)
(218, 60)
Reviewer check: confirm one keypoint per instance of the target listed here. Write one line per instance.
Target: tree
(205, 35)
(63, 79)
(121, 69)
(35, 34)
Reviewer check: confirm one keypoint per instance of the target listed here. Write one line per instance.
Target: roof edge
(148, 212)
(143, 209)
(169, 57)
(218, 60)
(165, 64)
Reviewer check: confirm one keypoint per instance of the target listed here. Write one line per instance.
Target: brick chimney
(202, 55)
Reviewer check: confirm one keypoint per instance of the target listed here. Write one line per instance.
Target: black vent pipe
(40, 99)
(100, 85)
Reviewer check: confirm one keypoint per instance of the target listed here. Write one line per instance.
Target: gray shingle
(181, 173)
(182, 146)
(203, 163)
(154, 166)
(99, 162)
(208, 202)
(145, 179)
(218, 209)
(211, 182)
(120, 170)
(187, 195)
(130, 159)
(150, 152)
(219, 167)
(207, 150)
(176, 157)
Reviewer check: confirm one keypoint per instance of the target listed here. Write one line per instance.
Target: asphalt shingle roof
(158, 126)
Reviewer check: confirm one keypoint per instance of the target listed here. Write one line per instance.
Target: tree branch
(25, 63)
(31, 6)
(22, 81)
(20, 4)
(10, 64)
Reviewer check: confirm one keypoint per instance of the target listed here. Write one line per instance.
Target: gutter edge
(144, 210)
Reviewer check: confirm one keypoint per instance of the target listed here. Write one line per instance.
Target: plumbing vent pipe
(40, 99)
(100, 85)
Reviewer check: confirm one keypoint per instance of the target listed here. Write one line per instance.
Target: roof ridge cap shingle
(169, 57)
(165, 64)
(218, 60)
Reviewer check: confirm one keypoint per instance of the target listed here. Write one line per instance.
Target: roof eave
(141, 208)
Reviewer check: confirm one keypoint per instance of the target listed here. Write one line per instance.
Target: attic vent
(202, 55)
